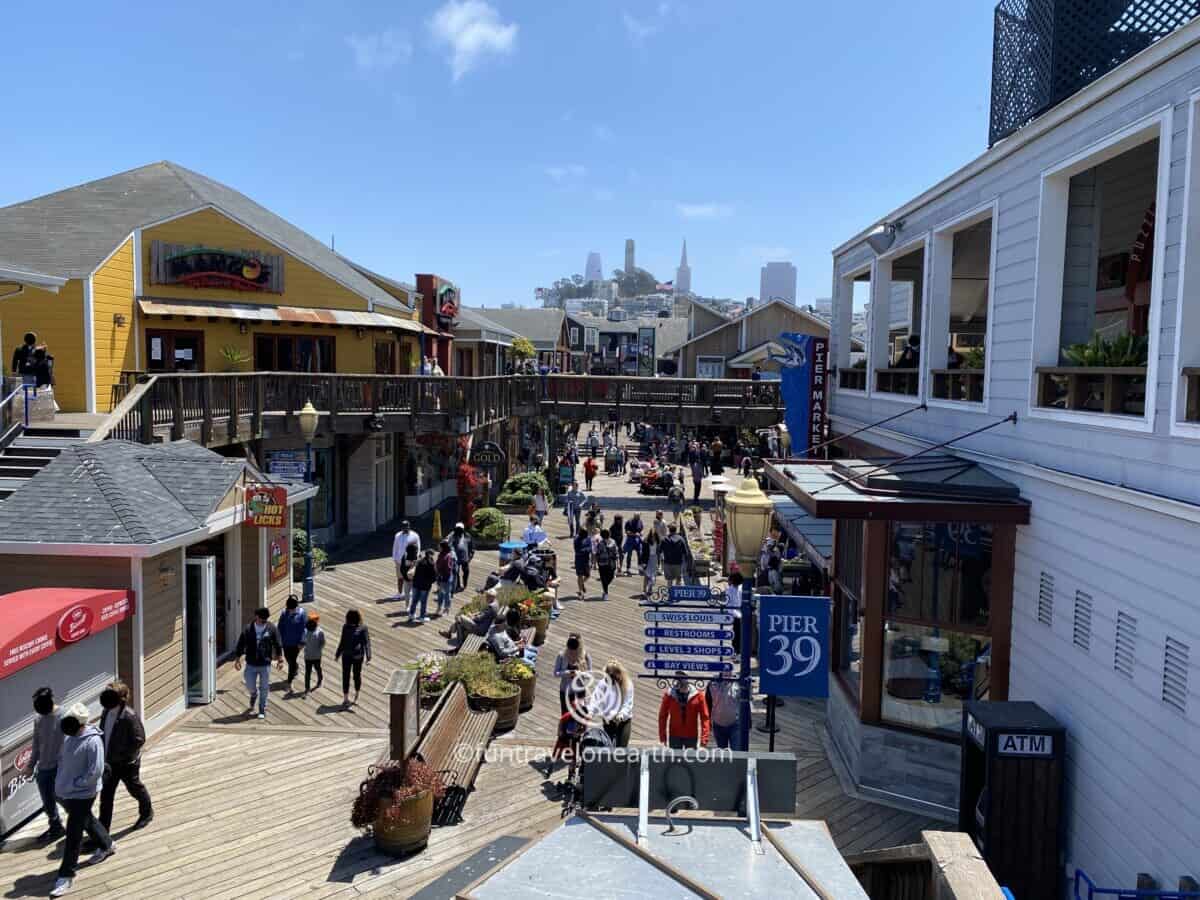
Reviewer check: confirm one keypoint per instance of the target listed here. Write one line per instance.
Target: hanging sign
(682, 592)
(690, 634)
(689, 649)
(487, 455)
(803, 368)
(793, 646)
(690, 618)
(688, 665)
(266, 505)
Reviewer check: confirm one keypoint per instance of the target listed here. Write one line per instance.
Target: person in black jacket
(260, 644)
(123, 740)
(353, 650)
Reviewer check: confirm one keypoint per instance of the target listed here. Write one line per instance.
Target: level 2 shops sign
(266, 505)
(211, 267)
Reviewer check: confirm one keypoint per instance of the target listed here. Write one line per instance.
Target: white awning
(257, 312)
(32, 279)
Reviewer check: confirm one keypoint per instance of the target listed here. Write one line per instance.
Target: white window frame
(591, 339)
(1189, 272)
(1051, 258)
(942, 247)
(574, 335)
(710, 359)
(843, 323)
(881, 287)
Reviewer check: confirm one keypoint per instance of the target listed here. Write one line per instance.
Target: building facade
(1056, 278)
(733, 348)
(777, 281)
(594, 269)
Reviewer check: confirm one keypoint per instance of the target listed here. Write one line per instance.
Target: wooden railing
(852, 379)
(230, 407)
(1191, 380)
(958, 384)
(897, 381)
(1117, 391)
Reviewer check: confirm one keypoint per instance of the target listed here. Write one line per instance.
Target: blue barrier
(1081, 880)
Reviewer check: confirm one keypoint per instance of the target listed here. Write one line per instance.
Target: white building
(593, 270)
(1025, 251)
(683, 275)
(777, 280)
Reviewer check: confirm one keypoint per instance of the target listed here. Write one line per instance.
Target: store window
(895, 338)
(959, 306)
(940, 573)
(852, 303)
(929, 673)
(174, 351)
(322, 504)
(293, 353)
(848, 542)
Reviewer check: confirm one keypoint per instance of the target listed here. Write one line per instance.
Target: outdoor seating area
(453, 744)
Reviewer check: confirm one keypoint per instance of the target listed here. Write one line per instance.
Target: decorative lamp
(748, 514)
(308, 421)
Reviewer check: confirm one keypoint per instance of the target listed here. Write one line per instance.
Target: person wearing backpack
(423, 579)
(607, 554)
(259, 643)
(446, 576)
(674, 553)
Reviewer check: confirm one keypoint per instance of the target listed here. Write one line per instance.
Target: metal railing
(1113, 390)
(1086, 889)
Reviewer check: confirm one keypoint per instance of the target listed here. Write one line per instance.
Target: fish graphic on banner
(803, 369)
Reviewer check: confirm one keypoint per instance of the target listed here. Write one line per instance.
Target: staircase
(32, 448)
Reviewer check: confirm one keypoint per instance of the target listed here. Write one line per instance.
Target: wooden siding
(162, 630)
(57, 319)
(761, 327)
(254, 578)
(115, 345)
(303, 285)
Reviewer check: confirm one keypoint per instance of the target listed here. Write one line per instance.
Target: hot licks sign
(266, 506)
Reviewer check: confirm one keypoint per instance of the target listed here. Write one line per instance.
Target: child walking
(314, 647)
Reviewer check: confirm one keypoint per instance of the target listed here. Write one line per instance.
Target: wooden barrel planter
(429, 699)
(405, 827)
(508, 709)
(539, 627)
(527, 690)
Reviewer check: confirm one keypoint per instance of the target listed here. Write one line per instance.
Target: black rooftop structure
(929, 476)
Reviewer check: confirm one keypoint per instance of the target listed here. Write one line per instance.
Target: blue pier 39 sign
(794, 646)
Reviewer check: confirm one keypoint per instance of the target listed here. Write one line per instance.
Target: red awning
(36, 623)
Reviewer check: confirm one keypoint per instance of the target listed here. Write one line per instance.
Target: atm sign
(1025, 745)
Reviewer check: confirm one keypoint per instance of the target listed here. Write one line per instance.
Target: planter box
(507, 710)
(410, 835)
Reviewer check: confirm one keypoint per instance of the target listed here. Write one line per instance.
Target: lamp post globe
(749, 513)
(308, 417)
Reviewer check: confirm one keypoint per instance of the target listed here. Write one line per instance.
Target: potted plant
(491, 528)
(520, 673)
(490, 691)
(535, 614)
(431, 677)
(395, 804)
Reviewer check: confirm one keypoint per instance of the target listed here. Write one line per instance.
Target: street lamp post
(308, 427)
(749, 517)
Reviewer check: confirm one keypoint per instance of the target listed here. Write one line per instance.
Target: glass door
(200, 626)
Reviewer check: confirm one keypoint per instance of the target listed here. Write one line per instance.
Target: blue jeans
(443, 594)
(421, 597)
(723, 735)
(258, 683)
(45, 785)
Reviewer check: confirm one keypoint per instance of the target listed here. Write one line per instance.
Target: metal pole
(744, 684)
(308, 548)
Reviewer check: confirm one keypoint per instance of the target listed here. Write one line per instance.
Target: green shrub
(522, 500)
(1126, 350)
(300, 545)
(491, 525)
(526, 483)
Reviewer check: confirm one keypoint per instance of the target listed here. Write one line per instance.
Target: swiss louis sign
(794, 646)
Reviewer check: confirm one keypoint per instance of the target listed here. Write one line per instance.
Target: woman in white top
(572, 660)
(618, 709)
(540, 504)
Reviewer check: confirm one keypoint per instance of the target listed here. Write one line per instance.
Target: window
(1185, 393)
(710, 367)
(895, 327)
(851, 307)
(959, 307)
(929, 673)
(174, 351)
(591, 338)
(322, 503)
(1099, 279)
(1125, 644)
(574, 336)
(941, 573)
(293, 353)
(850, 642)
(848, 544)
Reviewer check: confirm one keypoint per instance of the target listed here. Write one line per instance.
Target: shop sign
(487, 455)
(690, 618)
(287, 464)
(278, 557)
(212, 267)
(447, 302)
(794, 646)
(75, 624)
(1025, 744)
(266, 505)
(646, 354)
(976, 731)
(20, 798)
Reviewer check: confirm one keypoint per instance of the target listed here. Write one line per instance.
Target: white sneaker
(61, 886)
(101, 855)
(423, 619)
(411, 618)
(262, 715)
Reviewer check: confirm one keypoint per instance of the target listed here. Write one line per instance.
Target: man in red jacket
(683, 716)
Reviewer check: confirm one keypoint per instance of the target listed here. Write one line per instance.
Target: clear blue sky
(497, 143)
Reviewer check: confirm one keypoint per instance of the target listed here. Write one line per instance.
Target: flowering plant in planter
(390, 784)
(431, 675)
(516, 670)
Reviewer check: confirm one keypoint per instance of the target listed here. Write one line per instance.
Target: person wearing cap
(464, 552)
(406, 547)
(80, 768)
(47, 746)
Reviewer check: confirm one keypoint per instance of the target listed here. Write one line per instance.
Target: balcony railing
(1191, 381)
(1115, 391)
(897, 381)
(852, 379)
(958, 384)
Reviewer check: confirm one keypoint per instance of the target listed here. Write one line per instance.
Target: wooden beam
(876, 540)
(1004, 551)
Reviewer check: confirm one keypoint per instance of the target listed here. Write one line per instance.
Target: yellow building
(161, 269)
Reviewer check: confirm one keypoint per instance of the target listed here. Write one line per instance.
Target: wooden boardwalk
(250, 809)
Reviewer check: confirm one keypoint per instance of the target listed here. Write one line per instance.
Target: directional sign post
(690, 634)
(689, 665)
(689, 649)
(689, 618)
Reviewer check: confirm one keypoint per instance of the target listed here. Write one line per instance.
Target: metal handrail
(1128, 893)
(132, 399)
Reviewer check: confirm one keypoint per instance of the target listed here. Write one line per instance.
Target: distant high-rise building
(593, 271)
(777, 281)
(824, 307)
(629, 261)
(683, 275)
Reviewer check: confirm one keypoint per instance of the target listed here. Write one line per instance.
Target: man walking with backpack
(292, 623)
(674, 552)
(607, 554)
(259, 643)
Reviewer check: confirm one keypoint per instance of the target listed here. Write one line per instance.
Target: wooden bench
(453, 745)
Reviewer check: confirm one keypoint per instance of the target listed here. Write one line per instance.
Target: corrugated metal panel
(255, 312)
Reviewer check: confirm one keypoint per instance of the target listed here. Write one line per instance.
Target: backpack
(604, 553)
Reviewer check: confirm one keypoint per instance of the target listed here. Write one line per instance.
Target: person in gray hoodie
(80, 768)
(47, 745)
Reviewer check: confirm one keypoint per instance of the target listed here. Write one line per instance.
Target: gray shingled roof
(541, 326)
(70, 232)
(671, 333)
(472, 321)
(116, 492)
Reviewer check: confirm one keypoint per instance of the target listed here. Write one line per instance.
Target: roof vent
(1045, 605)
(1175, 674)
(1126, 641)
(1082, 630)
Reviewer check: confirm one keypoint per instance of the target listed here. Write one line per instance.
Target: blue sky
(497, 142)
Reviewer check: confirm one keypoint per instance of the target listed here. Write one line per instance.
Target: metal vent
(1082, 629)
(1045, 608)
(1175, 674)
(1124, 654)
